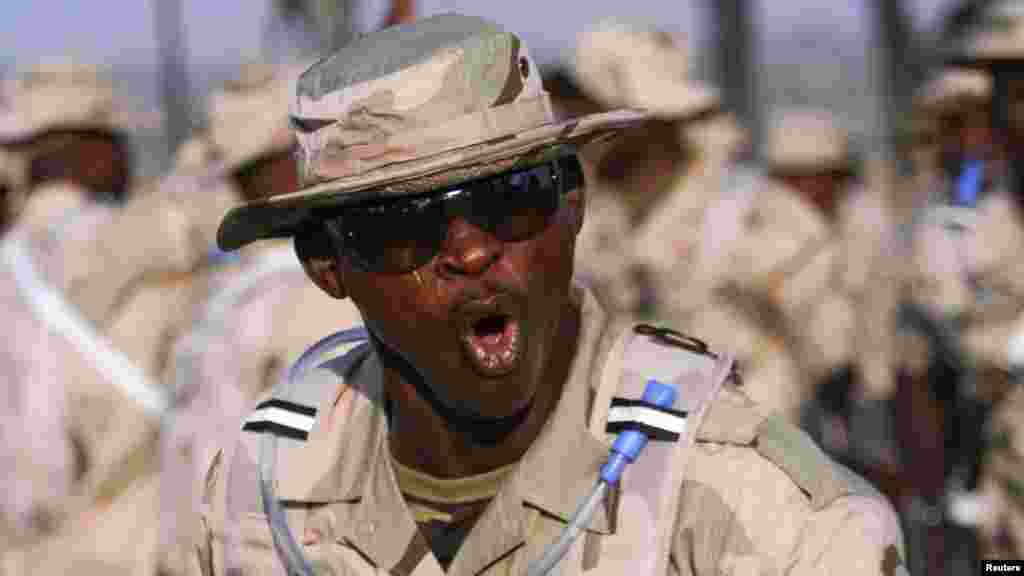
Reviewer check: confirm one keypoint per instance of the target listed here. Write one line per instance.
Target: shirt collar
(363, 483)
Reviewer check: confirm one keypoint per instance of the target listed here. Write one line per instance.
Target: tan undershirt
(446, 509)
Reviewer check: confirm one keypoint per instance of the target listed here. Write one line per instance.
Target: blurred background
(168, 55)
(866, 61)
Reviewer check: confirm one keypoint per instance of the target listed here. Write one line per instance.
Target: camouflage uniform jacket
(758, 497)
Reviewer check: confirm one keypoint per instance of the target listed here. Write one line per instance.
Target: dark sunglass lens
(523, 203)
(394, 239)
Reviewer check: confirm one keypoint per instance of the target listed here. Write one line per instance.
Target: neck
(425, 436)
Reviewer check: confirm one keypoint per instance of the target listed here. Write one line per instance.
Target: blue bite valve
(629, 443)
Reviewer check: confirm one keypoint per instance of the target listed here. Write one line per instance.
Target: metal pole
(732, 43)
(170, 34)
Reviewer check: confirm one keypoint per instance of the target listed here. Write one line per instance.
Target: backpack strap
(650, 488)
(290, 412)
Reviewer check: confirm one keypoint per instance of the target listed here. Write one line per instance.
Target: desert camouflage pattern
(1001, 36)
(806, 140)
(256, 320)
(628, 66)
(620, 65)
(764, 274)
(1000, 508)
(602, 259)
(665, 243)
(410, 109)
(447, 90)
(966, 265)
(62, 94)
(249, 114)
(95, 476)
(952, 89)
(194, 154)
(804, 514)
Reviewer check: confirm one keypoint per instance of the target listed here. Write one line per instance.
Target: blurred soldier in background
(990, 237)
(63, 123)
(72, 271)
(252, 317)
(650, 185)
(601, 260)
(788, 256)
(76, 383)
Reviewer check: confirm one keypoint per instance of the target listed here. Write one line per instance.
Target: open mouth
(490, 336)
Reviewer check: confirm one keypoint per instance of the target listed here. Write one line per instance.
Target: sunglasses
(398, 236)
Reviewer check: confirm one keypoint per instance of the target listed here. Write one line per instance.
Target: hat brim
(283, 216)
(14, 130)
(682, 102)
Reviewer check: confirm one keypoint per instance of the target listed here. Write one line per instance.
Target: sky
(801, 41)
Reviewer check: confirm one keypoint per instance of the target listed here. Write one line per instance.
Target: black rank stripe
(276, 429)
(631, 403)
(652, 432)
(287, 406)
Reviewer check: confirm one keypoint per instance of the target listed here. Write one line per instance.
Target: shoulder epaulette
(291, 410)
(283, 418)
(793, 451)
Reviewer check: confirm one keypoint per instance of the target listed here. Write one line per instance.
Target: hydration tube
(625, 450)
(54, 310)
(969, 184)
(627, 447)
(288, 550)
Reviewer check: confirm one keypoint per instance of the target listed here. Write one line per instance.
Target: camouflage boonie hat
(249, 115)
(954, 88)
(805, 140)
(62, 95)
(410, 109)
(194, 154)
(628, 66)
(998, 38)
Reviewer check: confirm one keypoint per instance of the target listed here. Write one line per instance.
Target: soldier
(602, 261)
(249, 318)
(64, 124)
(77, 269)
(64, 264)
(434, 447)
(991, 237)
(666, 170)
(786, 256)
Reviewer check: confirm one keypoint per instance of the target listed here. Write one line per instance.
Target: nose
(468, 250)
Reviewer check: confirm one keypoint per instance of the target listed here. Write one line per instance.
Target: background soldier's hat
(953, 89)
(628, 66)
(999, 38)
(194, 154)
(409, 109)
(805, 140)
(249, 115)
(62, 95)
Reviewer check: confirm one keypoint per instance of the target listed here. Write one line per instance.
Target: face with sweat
(478, 310)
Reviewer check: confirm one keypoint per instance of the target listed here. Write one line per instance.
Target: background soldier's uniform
(767, 259)
(624, 66)
(110, 432)
(94, 258)
(757, 496)
(252, 314)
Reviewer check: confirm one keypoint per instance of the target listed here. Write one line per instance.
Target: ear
(325, 273)
(315, 250)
